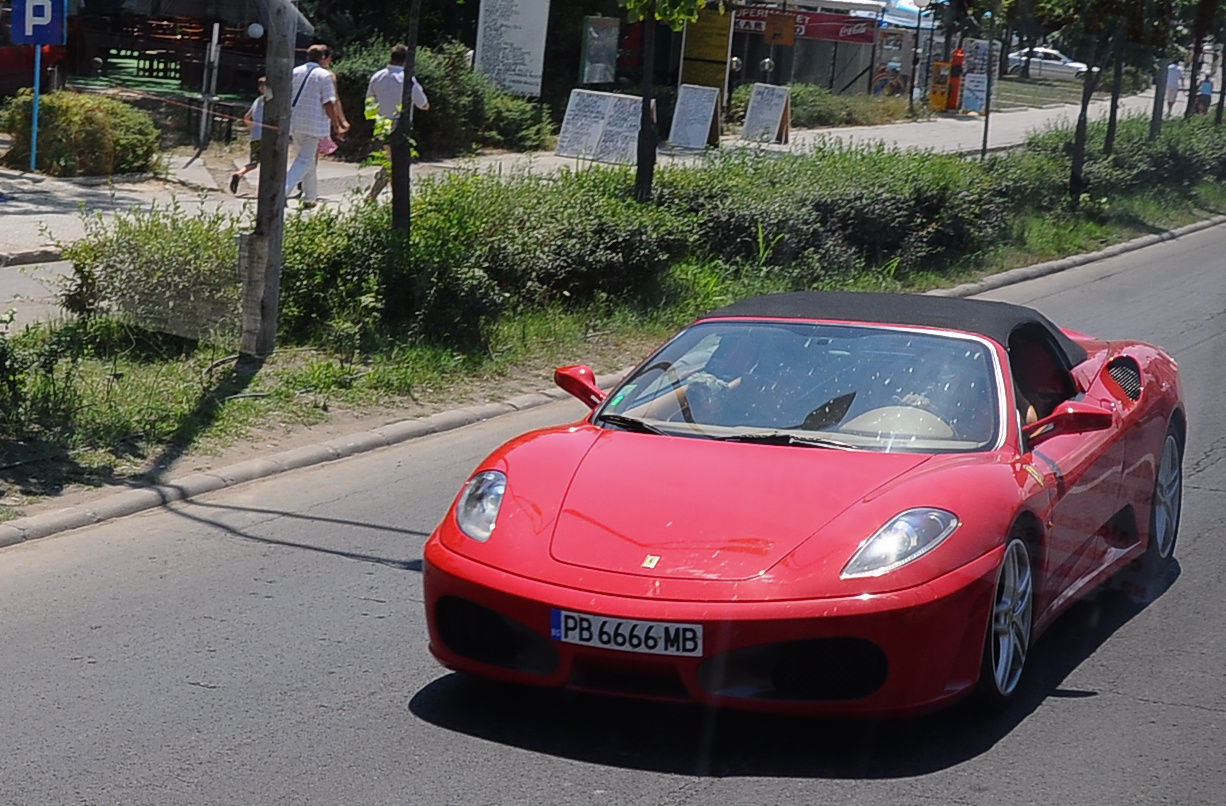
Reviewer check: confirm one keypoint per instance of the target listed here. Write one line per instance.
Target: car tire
(1166, 504)
(1015, 70)
(1010, 628)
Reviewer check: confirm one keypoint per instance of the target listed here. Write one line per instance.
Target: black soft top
(995, 320)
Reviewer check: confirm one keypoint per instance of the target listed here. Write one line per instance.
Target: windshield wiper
(786, 438)
(629, 423)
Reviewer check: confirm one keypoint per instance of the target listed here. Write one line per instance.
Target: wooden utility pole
(260, 251)
(402, 146)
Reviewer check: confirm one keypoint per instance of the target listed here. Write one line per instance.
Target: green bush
(81, 135)
(816, 107)
(161, 269)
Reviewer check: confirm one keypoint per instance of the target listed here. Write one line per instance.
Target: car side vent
(1128, 375)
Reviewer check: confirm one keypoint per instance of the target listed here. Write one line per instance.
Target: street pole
(260, 251)
(402, 144)
(992, 68)
(920, 5)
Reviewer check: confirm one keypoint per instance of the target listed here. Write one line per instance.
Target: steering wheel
(907, 421)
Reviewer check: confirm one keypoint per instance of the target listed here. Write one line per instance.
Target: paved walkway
(38, 211)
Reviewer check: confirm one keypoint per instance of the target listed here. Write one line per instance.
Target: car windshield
(816, 384)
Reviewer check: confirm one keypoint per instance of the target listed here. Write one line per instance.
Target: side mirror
(1070, 417)
(579, 381)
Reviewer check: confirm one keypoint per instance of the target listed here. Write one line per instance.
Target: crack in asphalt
(1210, 456)
(1194, 706)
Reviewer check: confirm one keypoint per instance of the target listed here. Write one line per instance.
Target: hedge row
(485, 244)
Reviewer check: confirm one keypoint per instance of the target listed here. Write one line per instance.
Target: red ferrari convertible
(823, 503)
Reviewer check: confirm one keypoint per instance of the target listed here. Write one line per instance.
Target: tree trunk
(402, 144)
(1155, 120)
(1076, 185)
(260, 256)
(645, 174)
(1117, 84)
(1198, 51)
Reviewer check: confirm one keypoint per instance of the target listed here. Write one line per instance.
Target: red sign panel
(810, 24)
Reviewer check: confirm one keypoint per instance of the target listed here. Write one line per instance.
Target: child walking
(254, 120)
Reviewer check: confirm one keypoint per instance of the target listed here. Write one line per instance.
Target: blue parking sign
(40, 22)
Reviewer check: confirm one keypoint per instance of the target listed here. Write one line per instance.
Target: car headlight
(907, 537)
(476, 512)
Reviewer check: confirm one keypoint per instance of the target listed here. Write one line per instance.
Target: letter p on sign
(40, 22)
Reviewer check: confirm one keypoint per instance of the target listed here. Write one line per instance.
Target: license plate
(626, 635)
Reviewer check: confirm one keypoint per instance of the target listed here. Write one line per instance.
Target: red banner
(810, 25)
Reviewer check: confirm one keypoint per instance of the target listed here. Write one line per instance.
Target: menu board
(583, 124)
(695, 118)
(619, 141)
(601, 126)
(768, 118)
(511, 43)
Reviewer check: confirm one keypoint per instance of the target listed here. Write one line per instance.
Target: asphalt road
(266, 645)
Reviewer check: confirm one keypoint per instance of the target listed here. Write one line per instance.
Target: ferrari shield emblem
(651, 561)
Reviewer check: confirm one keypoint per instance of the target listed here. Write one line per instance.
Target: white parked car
(1047, 63)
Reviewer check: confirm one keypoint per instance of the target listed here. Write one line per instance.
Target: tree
(675, 14)
(402, 148)
(1203, 18)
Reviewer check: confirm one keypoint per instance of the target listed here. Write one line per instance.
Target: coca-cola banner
(810, 24)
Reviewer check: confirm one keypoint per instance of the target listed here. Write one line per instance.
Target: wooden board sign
(601, 126)
(696, 117)
(768, 117)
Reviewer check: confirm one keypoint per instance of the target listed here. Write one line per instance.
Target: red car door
(1085, 472)
(1083, 469)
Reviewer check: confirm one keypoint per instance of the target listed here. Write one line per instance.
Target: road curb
(152, 496)
(1024, 273)
(25, 257)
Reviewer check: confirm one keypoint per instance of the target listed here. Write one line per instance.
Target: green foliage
(816, 107)
(673, 13)
(81, 135)
(159, 268)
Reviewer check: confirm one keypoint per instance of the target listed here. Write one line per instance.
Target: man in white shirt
(386, 88)
(1174, 77)
(315, 113)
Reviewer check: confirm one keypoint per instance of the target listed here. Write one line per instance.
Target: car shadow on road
(691, 740)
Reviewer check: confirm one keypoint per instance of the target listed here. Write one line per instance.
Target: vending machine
(938, 91)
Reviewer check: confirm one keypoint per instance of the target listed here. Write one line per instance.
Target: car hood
(701, 509)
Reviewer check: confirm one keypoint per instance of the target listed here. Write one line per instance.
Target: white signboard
(767, 119)
(584, 122)
(695, 124)
(601, 126)
(975, 73)
(511, 43)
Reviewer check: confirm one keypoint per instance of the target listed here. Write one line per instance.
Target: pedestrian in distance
(1204, 95)
(315, 113)
(1174, 77)
(384, 94)
(254, 121)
